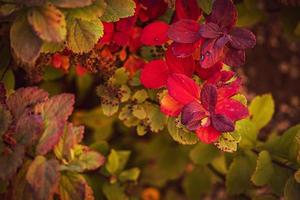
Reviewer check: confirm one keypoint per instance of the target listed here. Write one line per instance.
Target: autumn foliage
(136, 99)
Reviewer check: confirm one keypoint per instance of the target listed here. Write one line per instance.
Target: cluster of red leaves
(200, 49)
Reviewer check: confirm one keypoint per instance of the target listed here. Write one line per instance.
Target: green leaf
(112, 163)
(278, 180)
(241, 98)
(73, 186)
(8, 80)
(55, 113)
(114, 192)
(51, 73)
(116, 161)
(51, 47)
(84, 84)
(286, 145)
(43, 176)
(72, 3)
(140, 96)
(27, 46)
(180, 135)
(228, 142)
(72, 135)
(141, 129)
(109, 109)
(292, 190)
(100, 125)
(203, 154)
(91, 12)
(262, 110)
(117, 9)
(5, 120)
(248, 132)
(139, 112)
(83, 34)
(163, 166)
(48, 22)
(156, 119)
(197, 183)
(240, 170)
(205, 5)
(264, 169)
(127, 117)
(130, 175)
(87, 160)
(120, 77)
(125, 93)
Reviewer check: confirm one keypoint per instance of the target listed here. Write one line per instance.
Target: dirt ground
(273, 66)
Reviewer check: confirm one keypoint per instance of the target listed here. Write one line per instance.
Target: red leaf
(50, 137)
(73, 186)
(43, 176)
(108, 33)
(222, 41)
(133, 64)
(180, 65)
(170, 106)
(55, 113)
(11, 161)
(232, 109)
(210, 30)
(228, 90)
(151, 9)
(187, 9)
(56, 60)
(80, 71)
(120, 38)
(155, 74)
(242, 38)
(28, 128)
(182, 88)
(57, 108)
(182, 50)
(210, 54)
(24, 97)
(234, 57)
(192, 114)
(208, 134)
(155, 33)
(205, 74)
(184, 31)
(222, 123)
(209, 97)
(223, 13)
